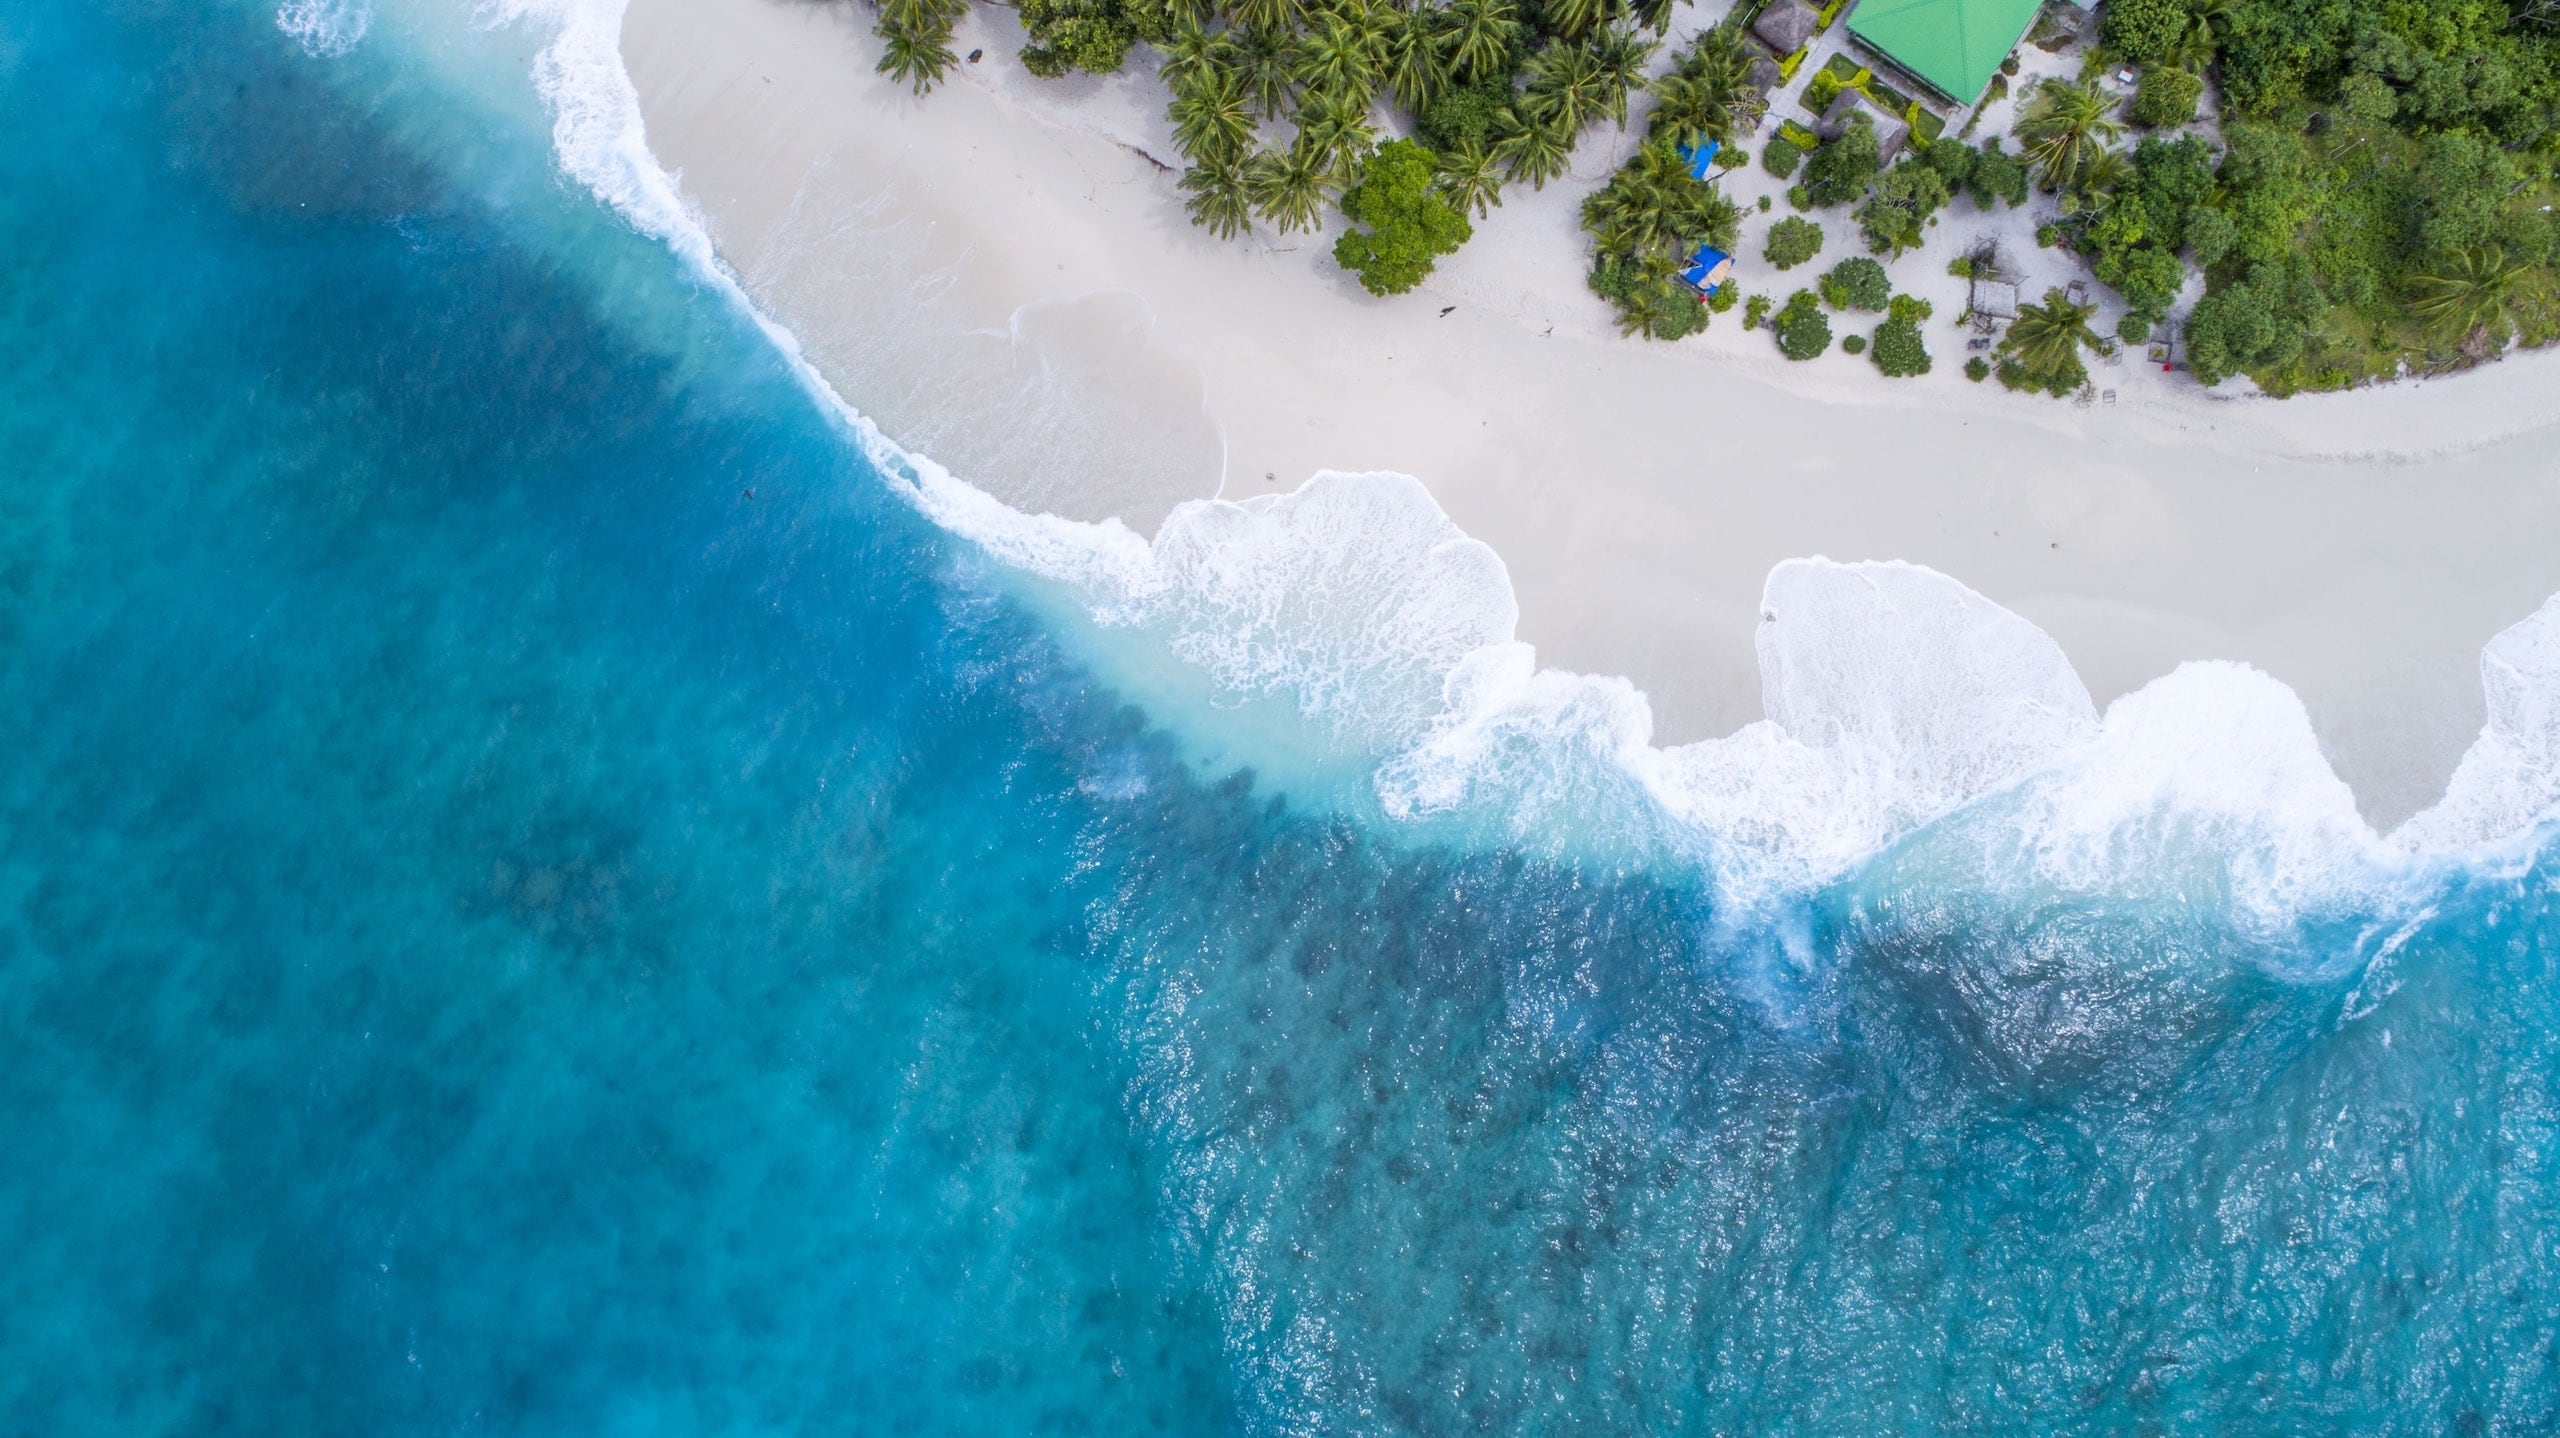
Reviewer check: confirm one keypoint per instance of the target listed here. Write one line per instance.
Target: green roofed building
(1952, 46)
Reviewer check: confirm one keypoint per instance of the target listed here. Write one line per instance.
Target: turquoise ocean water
(539, 895)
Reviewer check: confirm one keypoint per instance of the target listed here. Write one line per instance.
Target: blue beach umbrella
(1708, 269)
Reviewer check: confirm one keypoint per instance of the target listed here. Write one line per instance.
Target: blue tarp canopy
(1701, 156)
(1708, 269)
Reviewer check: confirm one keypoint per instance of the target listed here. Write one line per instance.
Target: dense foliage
(1647, 223)
(1410, 224)
(1792, 241)
(1803, 330)
(1856, 283)
(1838, 172)
(2042, 349)
(2381, 199)
(1092, 35)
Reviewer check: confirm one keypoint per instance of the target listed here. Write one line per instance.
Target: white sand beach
(1001, 274)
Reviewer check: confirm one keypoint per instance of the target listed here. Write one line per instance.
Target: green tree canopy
(1857, 283)
(1898, 350)
(1895, 215)
(1410, 223)
(1838, 172)
(1803, 330)
(1792, 241)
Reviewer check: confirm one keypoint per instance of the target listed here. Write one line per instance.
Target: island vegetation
(2380, 199)
(2334, 191)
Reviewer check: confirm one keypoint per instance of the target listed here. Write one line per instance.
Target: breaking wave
(1899, 702)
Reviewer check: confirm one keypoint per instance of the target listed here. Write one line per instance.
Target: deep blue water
(536, 896)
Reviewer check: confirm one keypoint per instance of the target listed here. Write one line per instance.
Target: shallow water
(538, 893)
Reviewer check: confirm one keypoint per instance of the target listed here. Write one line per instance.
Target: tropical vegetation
(1648, 223)
(1792, 241)
(1409, 224)
(1803, 330)
(2042, 349)
(2381, 199)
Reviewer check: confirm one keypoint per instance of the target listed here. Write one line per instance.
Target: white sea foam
(2509, 781)
(1899, 701)
(325, 27)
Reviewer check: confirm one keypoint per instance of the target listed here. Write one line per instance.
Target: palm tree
(2045, 339)
(2475, 297)
(1219, 202)
(1654, 15)
(1209, 115)
(1565, 87)
(1481, 35)
(1418, 59)
(1340, 59)
(1271, 17)
(1534, 150)
(1708, 95)
(2063, 127)
(1337, 127)
(914, 59)
(2207, 22)
(1470, 178)
(1571, 18)
(1621, 56)
(917, 35)
(1266, 69)
(1288, 186)
(1187, 52)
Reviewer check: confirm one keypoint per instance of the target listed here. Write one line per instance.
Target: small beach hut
(1701, 158)
(1786, 25)
(1708, 269)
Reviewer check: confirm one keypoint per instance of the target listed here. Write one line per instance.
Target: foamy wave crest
(1900, 703)
(325, 27)
(2509, 781)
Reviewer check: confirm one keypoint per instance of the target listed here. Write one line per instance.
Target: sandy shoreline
(1003, 278)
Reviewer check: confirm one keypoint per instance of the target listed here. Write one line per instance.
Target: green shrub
(1732, 157)
(1952, 158)
(1899, 351)
(2061, 384)
(1804, 331)
(1091, 35)
(1410, 224)
(1857, 283)
(1854, 344)
(1797, 198)
(1910, 309)
(1961, 267)
(1467, 116)
(1840, 171)
(1977, 369)
(2144, 31)
(1755, 313)
(1996, 177)
(2048, 236)
(1792, 241)
(1764, 204)
(1661, 309)
(1780, 158)
(1725, 297)
(2167, 97)
(1897, 213)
